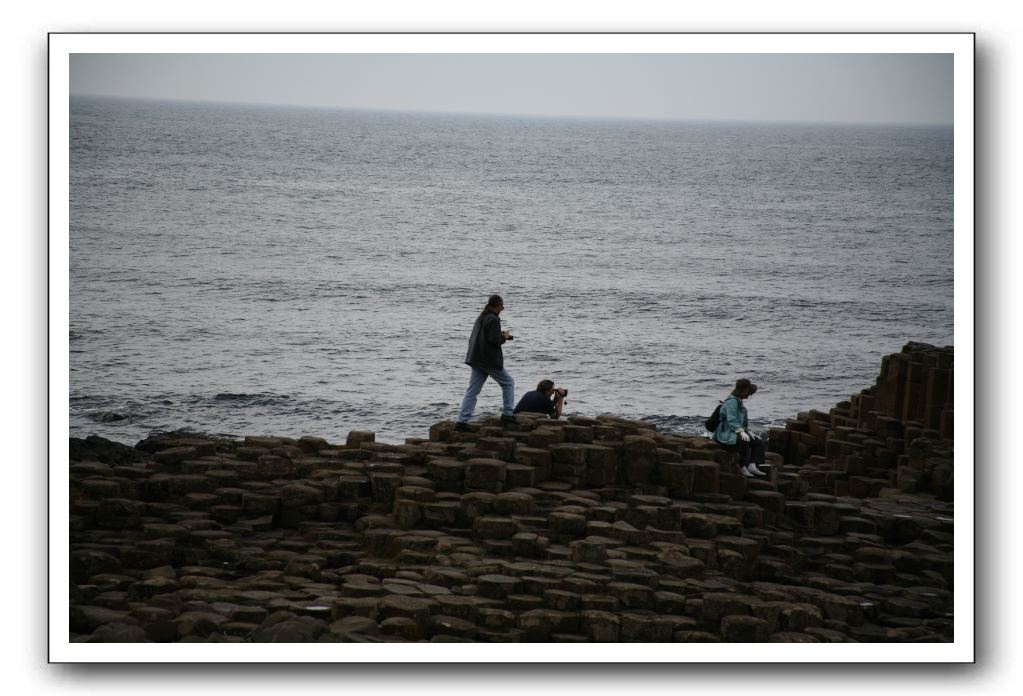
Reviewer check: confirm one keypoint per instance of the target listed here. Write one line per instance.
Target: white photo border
(62, 45)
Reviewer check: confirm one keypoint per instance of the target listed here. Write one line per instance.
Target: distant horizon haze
(495, 114)
(856, 88)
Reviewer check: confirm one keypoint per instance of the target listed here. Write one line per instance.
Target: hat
(745, 386)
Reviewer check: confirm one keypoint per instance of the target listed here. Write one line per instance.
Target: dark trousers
(755, 447)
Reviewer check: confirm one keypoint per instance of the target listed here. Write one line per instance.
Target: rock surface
(585, 529)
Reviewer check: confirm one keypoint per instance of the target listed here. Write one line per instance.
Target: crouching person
(733, 434)
(544, 399)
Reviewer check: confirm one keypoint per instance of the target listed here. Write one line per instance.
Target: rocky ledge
(586, 529)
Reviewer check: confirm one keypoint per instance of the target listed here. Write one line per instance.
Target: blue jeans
(476, 380)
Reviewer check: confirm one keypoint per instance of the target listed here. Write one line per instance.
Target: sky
(818, 88)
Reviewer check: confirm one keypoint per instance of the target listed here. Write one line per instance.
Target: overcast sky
(848, 88)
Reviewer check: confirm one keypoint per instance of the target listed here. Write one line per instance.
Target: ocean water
(242, 270)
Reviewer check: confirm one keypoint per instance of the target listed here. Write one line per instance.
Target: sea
(260, 270)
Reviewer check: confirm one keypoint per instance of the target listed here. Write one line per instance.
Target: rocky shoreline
(585, 529)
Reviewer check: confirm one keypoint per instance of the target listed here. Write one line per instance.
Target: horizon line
(498, 114)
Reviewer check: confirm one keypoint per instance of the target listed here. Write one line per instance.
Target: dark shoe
(508, 419)
(463, 427)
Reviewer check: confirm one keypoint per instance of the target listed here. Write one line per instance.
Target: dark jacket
(485, 343)
(537, 401)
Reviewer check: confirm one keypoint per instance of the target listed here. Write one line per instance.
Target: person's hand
(507, 335)
(743, 434)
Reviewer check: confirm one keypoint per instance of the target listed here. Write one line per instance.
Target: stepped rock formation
(586, 529)
(896, 434)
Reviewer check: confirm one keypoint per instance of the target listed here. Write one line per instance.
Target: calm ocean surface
(243, 270)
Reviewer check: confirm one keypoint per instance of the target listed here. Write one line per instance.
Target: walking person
(486, 359)
(733, 430)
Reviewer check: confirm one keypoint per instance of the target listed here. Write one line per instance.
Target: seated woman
(732, 431)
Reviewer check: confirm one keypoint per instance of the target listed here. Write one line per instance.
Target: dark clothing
(756, 446)
(536, 402)
(485, 343)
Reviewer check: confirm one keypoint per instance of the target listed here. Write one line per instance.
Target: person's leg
(476, 380)
(502, 377)
(743, 448)
(759, 451)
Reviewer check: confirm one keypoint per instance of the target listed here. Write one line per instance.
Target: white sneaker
(753, 468)
(744, 471)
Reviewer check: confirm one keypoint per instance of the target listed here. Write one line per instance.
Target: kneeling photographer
(545, 399)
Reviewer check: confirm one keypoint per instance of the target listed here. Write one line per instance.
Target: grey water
(245, 270)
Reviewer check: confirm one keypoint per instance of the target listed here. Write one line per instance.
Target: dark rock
(198, 623)
(98, 449)
(744, 629)
(645, 628)
(492, 527)
(86, 619)
(485, 474)
(538, 624)
(414, 608)
(354, 624)
(285, 627)
(600, 626)
(357, 438)
(451, 626)
(689, 636)
(119, 633)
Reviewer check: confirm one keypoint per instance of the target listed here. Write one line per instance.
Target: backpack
(712, 423)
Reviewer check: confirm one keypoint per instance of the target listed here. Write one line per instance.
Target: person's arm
(559, 402)
(732, 415)
(492, 331)
(745, 425)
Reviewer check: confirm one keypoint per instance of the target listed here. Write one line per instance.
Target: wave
(257, 399)
(107, 416)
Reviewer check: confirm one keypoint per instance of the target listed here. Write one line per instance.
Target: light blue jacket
(733, 417)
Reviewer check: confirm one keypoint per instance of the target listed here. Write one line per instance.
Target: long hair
(493, 302)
